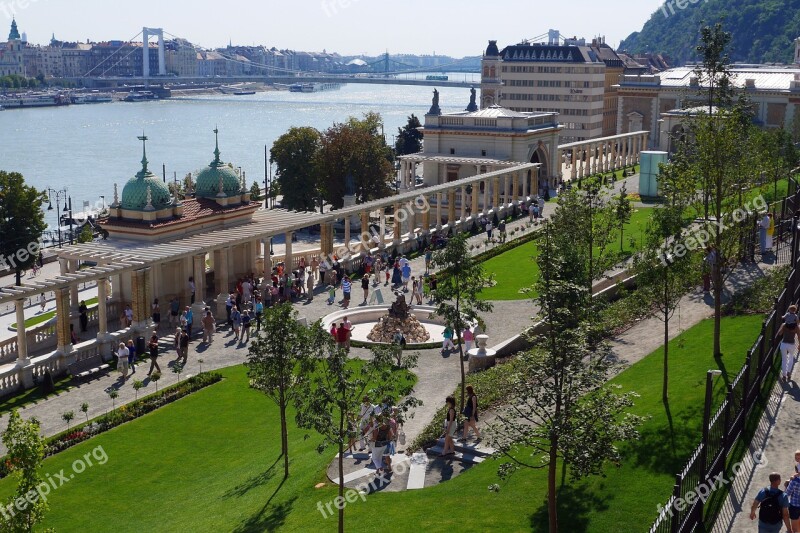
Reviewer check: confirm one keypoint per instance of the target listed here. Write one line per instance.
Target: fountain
(400, 318)
(481, 358)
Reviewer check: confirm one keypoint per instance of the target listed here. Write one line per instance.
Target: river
(88, 148)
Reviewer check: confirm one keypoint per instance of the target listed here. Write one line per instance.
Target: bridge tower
(162, 65)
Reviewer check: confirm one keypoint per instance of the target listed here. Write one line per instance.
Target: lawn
(516, 269)
(209, 462)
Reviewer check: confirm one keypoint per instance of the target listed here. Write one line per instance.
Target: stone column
(534, 188)
(396, 227)
(451, 209)
(141, 290)
(267, 260)
(63, 342)
(102, 307)
(347, 233)
(22, 338)
(289, 259)
(515, 188)
(426, 219)
(365, 234)
(574, 165)
(463, 203)
(496, 194)
(485, 208)
(72, 267)
(581, 162)
(221, 275)
(614, 156)
(326, 241)
(475, 191)
(438, 210)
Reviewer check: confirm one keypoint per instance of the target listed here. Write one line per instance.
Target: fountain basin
(365, 318)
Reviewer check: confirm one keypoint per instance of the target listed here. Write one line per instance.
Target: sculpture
(473, 105)
(435, 109)
(399, 308)
(349, 185)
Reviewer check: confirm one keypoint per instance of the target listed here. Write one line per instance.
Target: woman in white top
(122, 360)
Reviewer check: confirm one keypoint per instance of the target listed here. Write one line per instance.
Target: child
(790, 318)
(331, 294)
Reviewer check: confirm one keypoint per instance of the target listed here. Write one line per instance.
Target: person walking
(122, 360)
(348, 327)
(763, 226)
(365, 287)
(229, 309)
(183, 344)
(428, 260)
(236, 320)
(347, 287)
(772, 505)
(208, 328)
(406, 273)
(189, 320)
(381, 435)
(788, 349)
(450, 426)
(471, 415)
(131, 356)
(420, 291)
(42, 302)
(310, 287)
(84, 316)
(246, 324)
(155, 314)
(153, 347)
(365, 413)
(432, 284)
(793, 494)
(447, 343)
(260, 313)
(174, 311)
(468, 337)
(489, 229)
(770, 231)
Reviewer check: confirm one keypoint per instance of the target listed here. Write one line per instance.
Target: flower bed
(126, 413)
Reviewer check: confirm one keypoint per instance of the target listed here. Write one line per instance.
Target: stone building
(11, 54)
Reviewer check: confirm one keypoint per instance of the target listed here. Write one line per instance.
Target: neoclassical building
(653, 102)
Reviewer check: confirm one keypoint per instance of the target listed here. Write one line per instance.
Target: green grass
(209, 462)
(44, 317)
(34, 396)
(516, 269)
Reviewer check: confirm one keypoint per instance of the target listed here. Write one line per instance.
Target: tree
(561, 409)
(85, 409)
(294, 153)
(68, 417)
(665, 273)
(155, 377)
(25, 455)
(409, 137)
(356, 148)
(255, 192)
(457, 295)
(21, 222)
(332, 394)
(623, 210)
(86, 234)
(275, 356)
(778, 156)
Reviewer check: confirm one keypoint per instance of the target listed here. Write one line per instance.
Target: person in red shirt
(341, 336)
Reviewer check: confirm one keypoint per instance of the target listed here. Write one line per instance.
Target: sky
(349, 27)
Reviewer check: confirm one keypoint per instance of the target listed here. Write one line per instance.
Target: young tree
(255, 192)
(409, 137)
(25, 455)
(294, 153)
(21, 222)
(561, 409)
(276, 355)
(332, 395)
(664, 272)
(623, 211)
(457, 298)
(86, 234)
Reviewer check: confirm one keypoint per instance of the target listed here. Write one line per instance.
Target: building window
(483, 153)
(452, 151)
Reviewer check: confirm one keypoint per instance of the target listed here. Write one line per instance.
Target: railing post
(674, 521)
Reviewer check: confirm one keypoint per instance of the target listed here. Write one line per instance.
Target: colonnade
(602, 155)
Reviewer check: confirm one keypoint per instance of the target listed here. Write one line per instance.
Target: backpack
(770, 511)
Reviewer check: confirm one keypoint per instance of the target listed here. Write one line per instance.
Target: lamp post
(69, 210)
(60, 193)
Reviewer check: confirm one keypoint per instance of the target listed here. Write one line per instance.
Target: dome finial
(116, 195)
(216, 148)
(149, 206)
(144, 139)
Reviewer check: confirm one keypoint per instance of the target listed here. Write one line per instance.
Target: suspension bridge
(385, 70)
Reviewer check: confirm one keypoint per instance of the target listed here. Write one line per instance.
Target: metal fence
(726, 425)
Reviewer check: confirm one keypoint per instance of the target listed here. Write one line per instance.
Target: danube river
(88, 148)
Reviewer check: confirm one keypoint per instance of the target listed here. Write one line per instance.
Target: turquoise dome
(208, 179)
(134, 194)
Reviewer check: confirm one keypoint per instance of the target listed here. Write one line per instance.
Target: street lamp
(58, 194)
(104, 201)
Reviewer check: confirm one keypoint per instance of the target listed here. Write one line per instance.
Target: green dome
(208, 179)
(134, 194)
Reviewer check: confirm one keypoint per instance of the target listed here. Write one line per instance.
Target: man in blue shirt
(773, 507)
(793, 493)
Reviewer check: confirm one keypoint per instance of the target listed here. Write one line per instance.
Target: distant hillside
(763, 30)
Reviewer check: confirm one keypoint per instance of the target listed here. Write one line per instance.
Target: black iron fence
(723, 429)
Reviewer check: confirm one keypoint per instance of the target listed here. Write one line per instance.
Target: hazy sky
(447, 27)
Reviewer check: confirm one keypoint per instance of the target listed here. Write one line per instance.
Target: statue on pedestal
(473, 104)
(435, 109)
(399, 309)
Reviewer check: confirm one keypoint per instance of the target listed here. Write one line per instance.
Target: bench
(87, 367)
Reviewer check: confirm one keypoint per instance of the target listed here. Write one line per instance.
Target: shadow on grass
(575, 505)
(268, 518)
(663, 448)
(254, 482)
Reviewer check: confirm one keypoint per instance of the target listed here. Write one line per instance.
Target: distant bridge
(111, 82)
